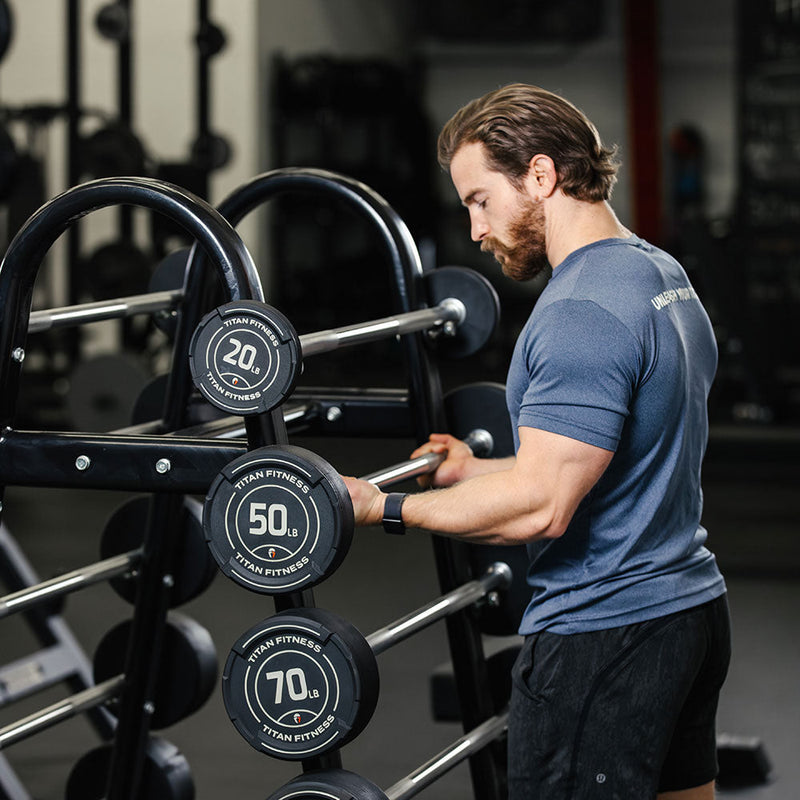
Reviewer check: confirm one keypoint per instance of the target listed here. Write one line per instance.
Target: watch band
(393, 513)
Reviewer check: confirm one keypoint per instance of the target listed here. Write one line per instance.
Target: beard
(526, 255)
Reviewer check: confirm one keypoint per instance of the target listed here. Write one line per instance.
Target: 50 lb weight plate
(278, 519)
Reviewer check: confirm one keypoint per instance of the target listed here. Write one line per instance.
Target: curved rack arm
(28, 248)
(425, 389)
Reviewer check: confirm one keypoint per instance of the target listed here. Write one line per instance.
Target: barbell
(279, 519)
(473, 311)
(245, 357)
(185, 680)
(341, 784)
(117, 308)
(305, 681)
(121, 551)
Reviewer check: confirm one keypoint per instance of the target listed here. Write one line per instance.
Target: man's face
(507, 222)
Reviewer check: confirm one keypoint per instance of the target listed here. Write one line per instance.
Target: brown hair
(518, 121)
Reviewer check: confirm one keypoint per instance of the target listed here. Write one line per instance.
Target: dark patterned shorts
(621, 713)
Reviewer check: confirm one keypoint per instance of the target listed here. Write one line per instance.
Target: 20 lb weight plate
(245, 357)
(300, 684)
(278, 519)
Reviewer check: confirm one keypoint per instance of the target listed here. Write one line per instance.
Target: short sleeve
(583, 366)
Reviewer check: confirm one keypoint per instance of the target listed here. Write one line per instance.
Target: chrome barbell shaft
(69, 316)
(449, 310)
(480, 441)
(64, 709)
(464, 747)
(497, 576)
(68, 582)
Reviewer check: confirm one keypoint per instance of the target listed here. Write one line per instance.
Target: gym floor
(751, 512)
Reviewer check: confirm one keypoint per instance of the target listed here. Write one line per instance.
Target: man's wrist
(393, 513)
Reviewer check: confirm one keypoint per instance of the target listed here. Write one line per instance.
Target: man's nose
(479, 228)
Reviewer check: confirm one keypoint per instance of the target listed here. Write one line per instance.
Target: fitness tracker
(393, 513)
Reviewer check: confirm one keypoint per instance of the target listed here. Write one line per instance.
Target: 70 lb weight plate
(300, 684)
(245, 357)
(278, 519)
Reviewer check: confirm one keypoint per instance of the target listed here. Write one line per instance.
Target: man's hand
(456, 464)
(367, 501)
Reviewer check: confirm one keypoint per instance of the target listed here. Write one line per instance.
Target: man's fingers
(429, 447)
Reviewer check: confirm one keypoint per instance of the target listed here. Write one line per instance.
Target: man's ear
(542, 178)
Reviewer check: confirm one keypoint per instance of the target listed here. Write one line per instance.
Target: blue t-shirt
(619, 353)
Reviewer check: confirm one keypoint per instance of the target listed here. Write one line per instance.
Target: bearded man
(627, 638)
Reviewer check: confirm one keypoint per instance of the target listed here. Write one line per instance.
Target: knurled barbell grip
(480, 441)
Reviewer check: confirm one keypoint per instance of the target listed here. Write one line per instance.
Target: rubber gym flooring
(751, 510)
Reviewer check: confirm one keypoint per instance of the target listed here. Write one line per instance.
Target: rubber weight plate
(330, 784)
(300, 684)
(245, 357)
(278, 519)
(165, 774)
(187, 672)
(103, 390)
(480, 301)
(483, 405)
(194, 568)
(150, 405)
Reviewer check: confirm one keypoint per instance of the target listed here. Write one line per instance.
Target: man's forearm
(533, 497)
(490, 508)
(485, 466)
